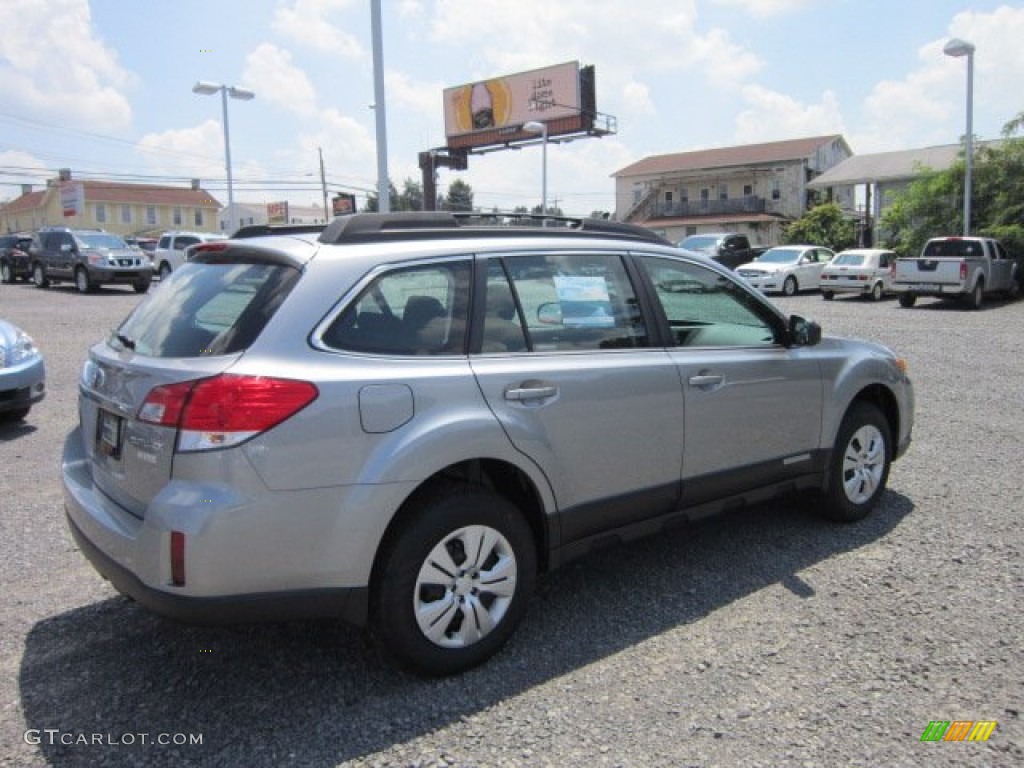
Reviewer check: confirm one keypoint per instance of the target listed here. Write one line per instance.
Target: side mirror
(802, 332)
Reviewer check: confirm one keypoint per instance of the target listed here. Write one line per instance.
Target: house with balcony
(125, 209)
(753, 189)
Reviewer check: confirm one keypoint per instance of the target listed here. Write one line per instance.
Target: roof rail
(261, 230)
(417, 225)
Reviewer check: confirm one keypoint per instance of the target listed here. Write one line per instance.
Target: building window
(177, 217)
(637, 194)
(691, 231)
(151, 219)
(684, 195)
(199, 217)
(126, 214)
(748, 190)
(101, 213)
(705, 195)
(776, 189)
(668, 197)
(723, 191)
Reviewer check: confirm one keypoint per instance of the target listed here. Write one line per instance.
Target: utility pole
(323, 185)
(383, 187)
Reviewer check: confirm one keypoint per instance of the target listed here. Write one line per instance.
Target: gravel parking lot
(762, 638)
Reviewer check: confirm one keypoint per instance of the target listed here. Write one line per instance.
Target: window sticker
(585, 301)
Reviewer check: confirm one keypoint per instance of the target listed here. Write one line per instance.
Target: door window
(707, 309)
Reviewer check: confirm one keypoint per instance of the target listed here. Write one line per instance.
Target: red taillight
(225, 410)
(963, 270)
(177, 558)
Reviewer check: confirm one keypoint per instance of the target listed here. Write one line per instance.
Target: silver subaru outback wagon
(404, 419)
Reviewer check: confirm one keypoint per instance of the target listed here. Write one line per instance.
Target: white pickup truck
(963, 267)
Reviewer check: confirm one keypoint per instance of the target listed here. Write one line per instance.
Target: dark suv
(406, 418)
(87, 257)
(14, 263)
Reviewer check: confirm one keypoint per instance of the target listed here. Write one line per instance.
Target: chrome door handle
(705, 380)
(531, 393)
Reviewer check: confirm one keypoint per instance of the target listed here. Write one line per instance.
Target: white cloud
(774, 116)
(186, 151)
(636, 98)
(765, 8)
(280, 81)
(83, 85)
(305, 21)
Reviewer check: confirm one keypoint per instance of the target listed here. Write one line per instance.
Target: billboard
(277, 213)
(482, 112)
(343, 204)
(72, 198)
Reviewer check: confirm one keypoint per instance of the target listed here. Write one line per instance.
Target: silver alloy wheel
(863, 463)
(789, 286)
(465, 586)
(82, 281)
(5, 273)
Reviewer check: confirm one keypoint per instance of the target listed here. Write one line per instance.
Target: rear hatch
(195, 326)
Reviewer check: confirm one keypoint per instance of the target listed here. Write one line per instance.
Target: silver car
(864, 271)
(787, 269)
(22, 373)
(407, 419)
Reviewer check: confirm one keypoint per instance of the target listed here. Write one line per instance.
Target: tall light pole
(957, 48)
(208, 89)
(542, 128)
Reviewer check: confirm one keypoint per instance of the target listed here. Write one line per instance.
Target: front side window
(418, 310)
(707, 309)
(562, 302)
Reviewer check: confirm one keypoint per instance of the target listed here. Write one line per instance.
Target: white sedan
(787, 269)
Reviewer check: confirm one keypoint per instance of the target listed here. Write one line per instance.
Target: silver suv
(405, 420)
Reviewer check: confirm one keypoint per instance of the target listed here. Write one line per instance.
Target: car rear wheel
(876, 292)
(827, 295)
(789, 286)
(975, 298)
(860, 464)
(39, 276)
(453, 584)
(907, 300)
(6, 273)
(82, 282)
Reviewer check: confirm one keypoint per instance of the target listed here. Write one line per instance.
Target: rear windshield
(206, 309)
(849, 259)
(953, 248)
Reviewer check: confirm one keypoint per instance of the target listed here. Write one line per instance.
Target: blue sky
(104, 87)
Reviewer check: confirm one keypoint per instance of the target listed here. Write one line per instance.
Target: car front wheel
(789, 286)
(6, 273)
(454, 582)
(860, 464)
(165, 271)
(827, 295)
(876, 292)
(82, 282)
(39, 276)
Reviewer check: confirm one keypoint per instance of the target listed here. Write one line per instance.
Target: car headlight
(23, 350)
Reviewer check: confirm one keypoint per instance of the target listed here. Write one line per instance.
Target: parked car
(22, 373)
(170, 249)
(89, 258)
(727, 248)
(407, 418)
(966, 268)
(14, 262)
(864, 271)
(787, 269)
(145, 244)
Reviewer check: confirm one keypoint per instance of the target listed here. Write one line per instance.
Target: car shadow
(12, 430)
(317, 693)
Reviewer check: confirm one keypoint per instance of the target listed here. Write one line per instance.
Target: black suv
(14, 262)
(87, 257)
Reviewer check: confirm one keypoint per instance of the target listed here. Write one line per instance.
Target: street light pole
(208, 89)
(542, 128)
(957, 48)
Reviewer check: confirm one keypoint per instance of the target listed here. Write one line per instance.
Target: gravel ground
(762, 638)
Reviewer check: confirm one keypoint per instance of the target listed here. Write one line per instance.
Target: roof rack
(261, 230)
(418, 225)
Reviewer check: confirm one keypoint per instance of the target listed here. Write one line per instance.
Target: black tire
(39, 278)
(789, 286)
(141, 285)
(827, 295)
(976, 297)
(877, 292)
(165, 271)
(6, 273)
(860, 464)
(82, 282)
(442, 521)
(907, 300)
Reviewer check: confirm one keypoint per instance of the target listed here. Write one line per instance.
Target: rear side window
(419, 310)
(206, 309)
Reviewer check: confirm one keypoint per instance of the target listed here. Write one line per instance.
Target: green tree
(822, 225)
(373, 204)
(411, 198)
(460, 197)
(932, 205)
